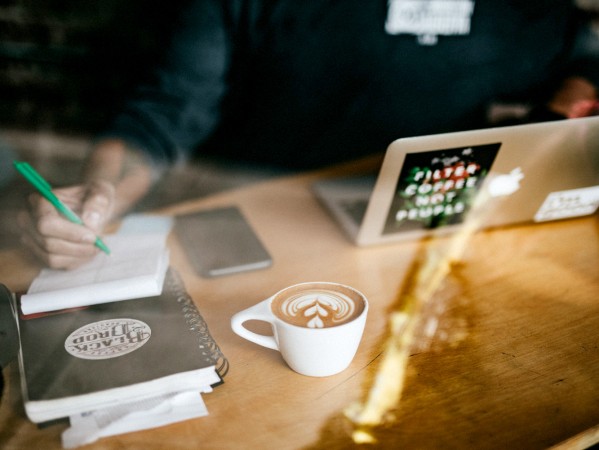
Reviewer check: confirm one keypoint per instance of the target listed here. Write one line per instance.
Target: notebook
(135, 268)
(113, 354)
(427, 184)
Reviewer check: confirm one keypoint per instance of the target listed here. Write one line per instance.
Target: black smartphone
(220, 241)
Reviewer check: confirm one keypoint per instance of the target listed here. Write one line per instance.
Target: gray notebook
(103, 355)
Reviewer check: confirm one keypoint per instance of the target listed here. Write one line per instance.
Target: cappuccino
(317, 305)
(317, 326)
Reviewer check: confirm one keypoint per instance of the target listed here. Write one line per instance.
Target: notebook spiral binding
(208, 346)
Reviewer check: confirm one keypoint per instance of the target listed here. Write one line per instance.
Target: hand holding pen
(52, 228)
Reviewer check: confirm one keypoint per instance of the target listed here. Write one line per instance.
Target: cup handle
(260, 311)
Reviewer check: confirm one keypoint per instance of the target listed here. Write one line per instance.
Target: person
(307, 84)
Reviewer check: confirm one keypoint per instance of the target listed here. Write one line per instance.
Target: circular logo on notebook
(107, 338)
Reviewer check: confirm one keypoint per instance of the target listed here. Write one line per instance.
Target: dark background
(65, 65)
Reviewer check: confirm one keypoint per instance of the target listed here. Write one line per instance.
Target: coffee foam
(317, 306)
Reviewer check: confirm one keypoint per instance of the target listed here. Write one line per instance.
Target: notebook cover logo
(107, 339)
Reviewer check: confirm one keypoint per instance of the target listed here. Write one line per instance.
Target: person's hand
(576, 97)
(61, 244)
(584, 108)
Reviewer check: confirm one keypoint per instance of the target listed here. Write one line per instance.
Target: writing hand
(61, 244)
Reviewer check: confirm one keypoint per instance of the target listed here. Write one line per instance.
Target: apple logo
(505, 184)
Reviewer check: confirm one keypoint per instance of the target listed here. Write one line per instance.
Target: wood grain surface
(517, 364)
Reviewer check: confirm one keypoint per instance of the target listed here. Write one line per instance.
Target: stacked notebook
(117, 366)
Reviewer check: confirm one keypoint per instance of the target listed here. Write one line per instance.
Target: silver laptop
(427, 184)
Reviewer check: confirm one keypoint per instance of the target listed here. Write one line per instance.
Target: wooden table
(525, 373)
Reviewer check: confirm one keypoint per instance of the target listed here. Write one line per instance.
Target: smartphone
(220, 242)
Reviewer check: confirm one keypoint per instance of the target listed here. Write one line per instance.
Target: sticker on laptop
(437, 188)
(107, 338)
(569, 204)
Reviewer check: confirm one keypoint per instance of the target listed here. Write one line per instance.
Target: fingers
(584, 108)
(574, 98)
(61, 244)
(98, 205)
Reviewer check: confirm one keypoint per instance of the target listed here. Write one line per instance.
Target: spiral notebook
(116, 353)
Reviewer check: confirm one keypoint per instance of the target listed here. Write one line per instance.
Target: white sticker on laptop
(567, 204)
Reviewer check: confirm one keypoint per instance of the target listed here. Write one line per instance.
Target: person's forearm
(124, 167)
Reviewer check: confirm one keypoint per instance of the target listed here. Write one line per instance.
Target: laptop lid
(427, 184)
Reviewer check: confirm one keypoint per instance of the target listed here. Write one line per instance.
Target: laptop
(427, 184)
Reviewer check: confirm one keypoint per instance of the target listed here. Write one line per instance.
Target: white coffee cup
(317, 326)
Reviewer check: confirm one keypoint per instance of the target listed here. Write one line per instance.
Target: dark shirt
(306, 83)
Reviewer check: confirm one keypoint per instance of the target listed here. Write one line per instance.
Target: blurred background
(65, 63)
(65, 66)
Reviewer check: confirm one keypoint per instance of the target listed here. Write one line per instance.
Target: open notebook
(135, 268)
(427, 184)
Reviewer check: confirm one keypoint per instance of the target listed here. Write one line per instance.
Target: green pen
(44, 188)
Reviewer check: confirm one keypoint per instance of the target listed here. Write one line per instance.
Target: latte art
(317, 326)
(317, 308)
